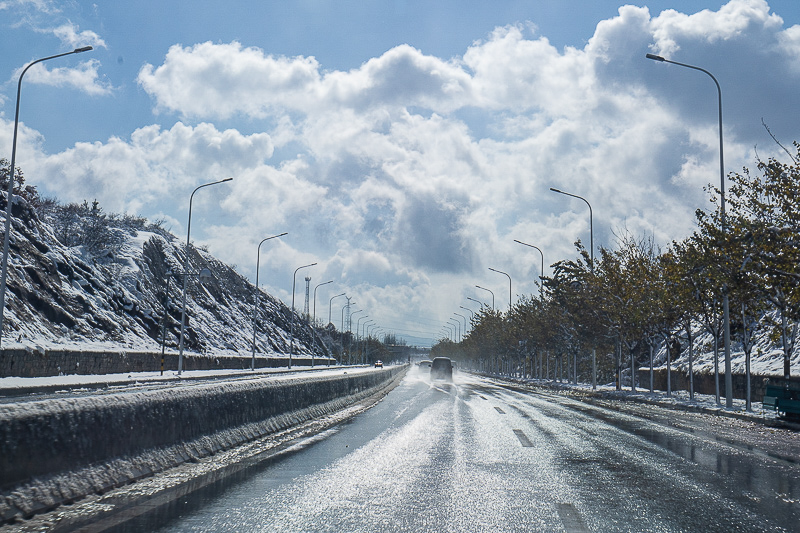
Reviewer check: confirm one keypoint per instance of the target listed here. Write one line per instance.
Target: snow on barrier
(57, 451)
(41, 362)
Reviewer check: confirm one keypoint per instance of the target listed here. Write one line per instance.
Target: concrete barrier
(34, 363)
(57, 451)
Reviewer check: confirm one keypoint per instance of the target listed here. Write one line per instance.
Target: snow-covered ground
(677, 400)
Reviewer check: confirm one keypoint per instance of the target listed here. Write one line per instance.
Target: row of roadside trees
(637, 297)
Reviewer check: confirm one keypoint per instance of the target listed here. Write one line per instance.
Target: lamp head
(654, 57)
(84, 49)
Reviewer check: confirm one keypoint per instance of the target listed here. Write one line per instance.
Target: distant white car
(378, 364)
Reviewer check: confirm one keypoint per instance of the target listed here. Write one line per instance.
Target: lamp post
(358, 342)
(257, 295)
(363, 338)
(591, 269)
(541, 277)
(724, 223)
(10, 198)
(465, 322)
(186, 271)
(330, 305)
(490, 292)
(591, 224)
(350, 330)
(457, 323)
(477, 301)
(471, 312)
(509, 284)
(291, 334)
(314, 320)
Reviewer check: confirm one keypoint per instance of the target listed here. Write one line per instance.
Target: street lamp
(364, 330)
(471, 313)
(186, 271)
(724, 223)
(350, 330)
(509, 285)
(477, 301)
(291, 334)
(591, 268)
(485, 289)
(541, 278)
(330, 305)
(457, 323)
(257, 295)
(591, 224)
(314, 321)
(465, 322)
(10, 199)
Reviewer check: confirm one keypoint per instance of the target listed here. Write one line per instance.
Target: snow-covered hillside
(114, 298)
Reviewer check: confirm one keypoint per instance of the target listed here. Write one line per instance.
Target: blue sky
(404, 145)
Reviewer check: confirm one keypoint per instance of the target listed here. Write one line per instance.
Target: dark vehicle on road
(425, 364)
(442, 368)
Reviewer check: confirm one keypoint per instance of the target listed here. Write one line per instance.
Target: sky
(403, 145)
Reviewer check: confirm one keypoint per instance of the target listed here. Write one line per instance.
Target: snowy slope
(66, 297)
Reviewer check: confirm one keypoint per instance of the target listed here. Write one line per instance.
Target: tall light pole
(490, 292)
(350, 330)
(591, 224)
(186, 271)
(541, 277)
(10, 198)
(364, 330)
(457, 324)
(477, 301)
(591, 269)
(471, 313)
(291, 334)
(257, 295)
(724, 222)
(509, 284)
(330, 305)
(465, 323)
(358, 322)
(314, 320)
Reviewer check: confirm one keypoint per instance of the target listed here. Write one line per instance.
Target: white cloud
(219, 80)
(153, 167)
(405, 178)
(70, 35)
(84, 77)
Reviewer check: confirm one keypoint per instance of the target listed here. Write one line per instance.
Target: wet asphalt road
(475, 456)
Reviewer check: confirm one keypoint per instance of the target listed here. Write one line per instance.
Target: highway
(476, 455)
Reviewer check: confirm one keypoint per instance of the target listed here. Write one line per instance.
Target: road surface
(478, 456)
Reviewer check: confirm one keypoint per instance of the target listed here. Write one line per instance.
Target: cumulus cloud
(220, 80)
(405, 178)
(84, 77)
(151, 168)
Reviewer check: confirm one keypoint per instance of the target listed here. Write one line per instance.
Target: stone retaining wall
(704, 383)
(33, 363)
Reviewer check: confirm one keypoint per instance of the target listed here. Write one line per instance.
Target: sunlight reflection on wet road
(472, 456)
